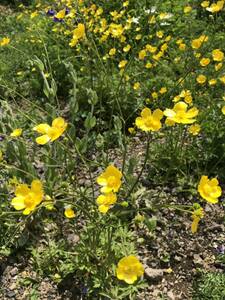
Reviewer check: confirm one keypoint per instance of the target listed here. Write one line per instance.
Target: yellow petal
(42, 128)
(169, 113)
(180, 106)
(194, 225)
(26, 211)
(16, 132)
(58, 122)
(158, 114)
(18, 203)
(103, 209)
(22, 190)
(41, 140)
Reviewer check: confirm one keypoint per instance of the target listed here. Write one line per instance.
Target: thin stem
(142, 169)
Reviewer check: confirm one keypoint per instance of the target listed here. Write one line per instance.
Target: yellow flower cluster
(110, 180)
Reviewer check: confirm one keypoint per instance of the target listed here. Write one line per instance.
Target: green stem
(142, 169)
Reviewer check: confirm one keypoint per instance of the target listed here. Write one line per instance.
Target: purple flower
(51, 12)
(221, 249)
(67, 11)
(57, 20)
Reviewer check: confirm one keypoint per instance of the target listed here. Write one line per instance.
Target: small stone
(11, 294)
(198, 261)
(13, 286)
(154, 274)
(14, 271)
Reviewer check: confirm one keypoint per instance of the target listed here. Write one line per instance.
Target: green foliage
(211, 286)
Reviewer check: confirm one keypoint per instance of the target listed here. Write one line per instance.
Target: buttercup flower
(78, 33)
(194, 129)
(216, 7)
(122, 64)
(209, 189)
(149, 121)
(105, 202)
(28, 198)
(217, 55)
(16, 132)
(180, 114)
(5, 41)
(223, 110)
(187, 9)
(61, 14)
(201, 79)
(69, 212)
(197, 215)
(110, 180)
(205, 4)
(204, 62)
(129, 269)
(50, 133)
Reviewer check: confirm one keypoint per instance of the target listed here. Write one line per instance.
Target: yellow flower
(150, 48)
(136, 86)
(216, 7)
(182, 46)
(223, 110)
(5, 41)
(204, 62)
(122, 64)
(222, 79)
(110, 180)
(217, 55)
(159, 34)
(129, 269)
(16, 132)
(142, 54)
(209, 189)
(69, 212)
(149, 121)
(212, 81)
(186, 94)
(112, 51)
(180, 114)
(154, 95)
(78, 33)
(197, 43)
(127, 48)
(197, 215)
(61, 14)
(187, 9)
(205, 4)
(50, 133)
(163, 90)
(194, 129)
(176, 98)
(28, 198)
(138, 37)
(34, 14)
(218, 66)
(201, 79)
(131, 130)
(105, 201)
